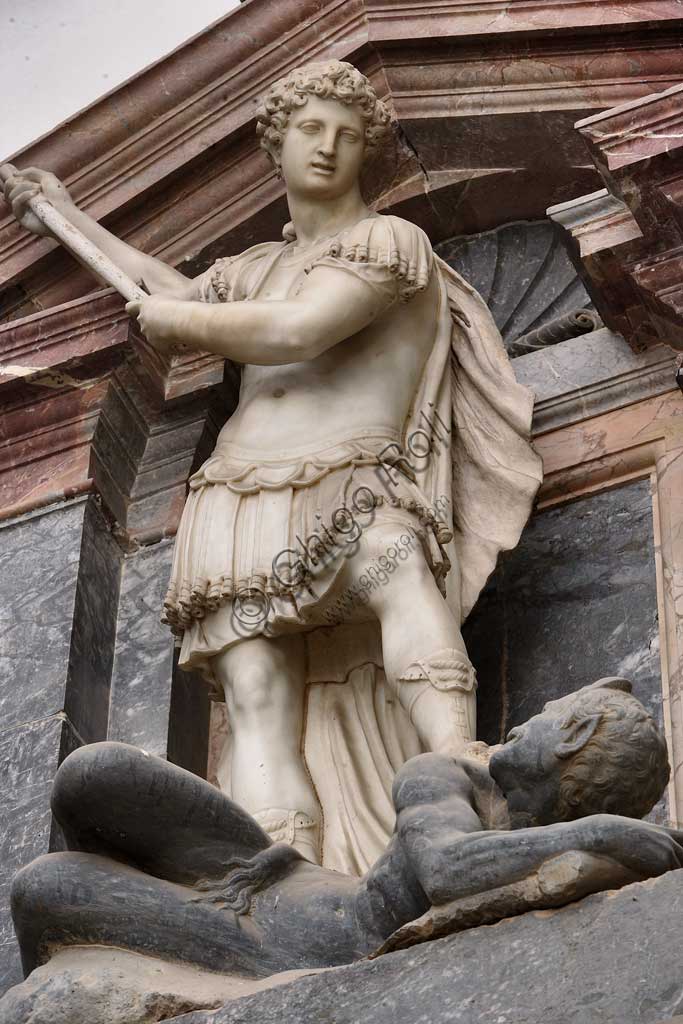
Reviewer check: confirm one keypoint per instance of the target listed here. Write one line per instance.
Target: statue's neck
(314, 219)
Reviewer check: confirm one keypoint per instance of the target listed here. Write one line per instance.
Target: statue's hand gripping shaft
(76, 243)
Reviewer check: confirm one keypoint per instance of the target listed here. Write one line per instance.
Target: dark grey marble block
(576, 600)
(94, 627)
(58, 617)
(153, 705)
(29, 757)
(143, 657)
(39, 565)
(60, 573)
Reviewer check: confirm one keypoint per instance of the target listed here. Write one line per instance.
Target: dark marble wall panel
(152, 706)
(60, 573)
(190, 721)
(94, 627)
(29, 757)
(575, 601)
(39, 563)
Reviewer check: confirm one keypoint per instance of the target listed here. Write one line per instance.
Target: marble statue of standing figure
(357, 499)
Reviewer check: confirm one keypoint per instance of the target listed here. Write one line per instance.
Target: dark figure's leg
(118, 801)
(80, 899)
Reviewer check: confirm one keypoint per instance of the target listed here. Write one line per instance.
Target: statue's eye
(309, 127)
(349, 136)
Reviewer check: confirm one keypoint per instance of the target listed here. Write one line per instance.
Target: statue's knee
(85, 774)
(69, 783)
(254, 690)
(33, 886)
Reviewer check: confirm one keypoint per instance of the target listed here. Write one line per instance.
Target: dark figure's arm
(453, 857)
(432, 796)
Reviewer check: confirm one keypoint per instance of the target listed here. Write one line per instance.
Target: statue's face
(322, 151)
(527, 770)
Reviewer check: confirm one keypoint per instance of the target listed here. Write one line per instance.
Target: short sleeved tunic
(262, 540)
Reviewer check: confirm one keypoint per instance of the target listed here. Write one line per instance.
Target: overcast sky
(57, 56)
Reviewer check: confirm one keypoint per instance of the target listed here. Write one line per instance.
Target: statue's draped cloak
(357, 735)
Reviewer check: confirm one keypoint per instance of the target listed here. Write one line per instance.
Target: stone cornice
(36, 349)
(596, 221)
(158, 133)
(458, 18)
(635, 131)
(72, 343)
(592, 375)
(629, 238)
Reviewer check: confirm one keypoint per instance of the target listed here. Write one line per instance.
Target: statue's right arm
(460, 865)
(157, 276)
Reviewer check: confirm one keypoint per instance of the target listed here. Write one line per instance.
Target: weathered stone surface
(612, 958)
(90, 985)
(591, 375)
(560, 880)
(143, 660)
(39, 568)
(60, 587)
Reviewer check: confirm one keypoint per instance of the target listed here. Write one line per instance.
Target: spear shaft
(77, 244)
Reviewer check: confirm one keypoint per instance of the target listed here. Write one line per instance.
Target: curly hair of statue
(331, 80)
(623, 768)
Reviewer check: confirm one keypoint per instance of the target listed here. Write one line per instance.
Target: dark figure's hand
(647, 849)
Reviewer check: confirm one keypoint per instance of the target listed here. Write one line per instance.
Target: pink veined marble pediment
(177, 171)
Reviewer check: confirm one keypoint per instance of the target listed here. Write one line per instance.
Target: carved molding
(429, 18)
(629, 239)
(158, 157)
(635, 131)
(143, 452)
(592, 375)
(597, 221)
(75, 342)
(36, 348)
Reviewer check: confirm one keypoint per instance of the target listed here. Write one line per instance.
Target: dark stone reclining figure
(162, 863)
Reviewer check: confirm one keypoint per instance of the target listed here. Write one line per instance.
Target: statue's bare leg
(424, 654)
(264, 682)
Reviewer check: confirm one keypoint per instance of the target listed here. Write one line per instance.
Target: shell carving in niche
(523, 273)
